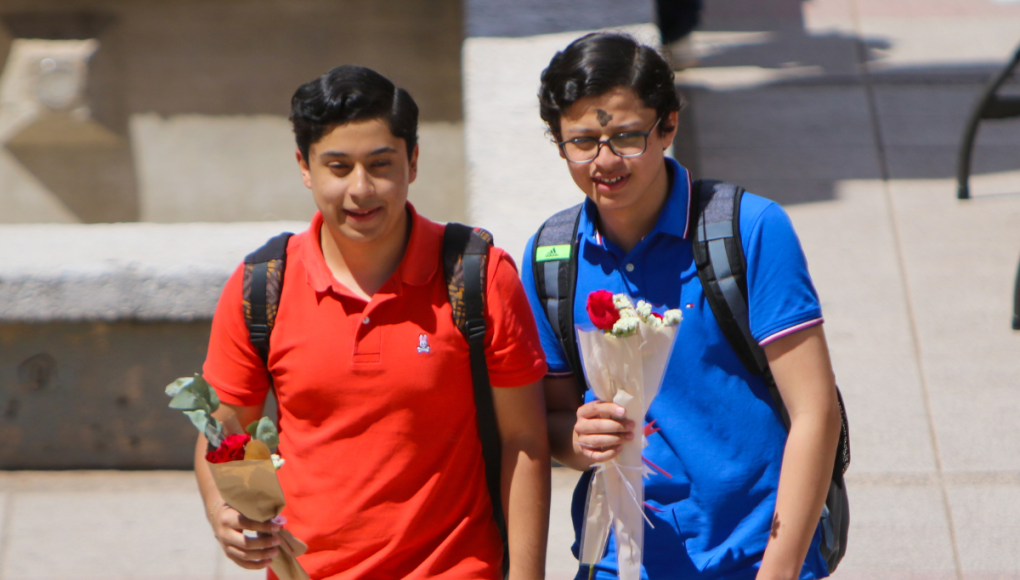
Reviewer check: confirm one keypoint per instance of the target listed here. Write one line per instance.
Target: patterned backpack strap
(261, 289)
(465, 261)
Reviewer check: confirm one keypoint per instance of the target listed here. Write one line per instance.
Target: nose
(606, 157)
(360, 183)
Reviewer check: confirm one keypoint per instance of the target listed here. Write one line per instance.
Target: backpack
(722, 269)
(465, 254)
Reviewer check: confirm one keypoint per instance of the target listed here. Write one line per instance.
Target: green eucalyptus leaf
(214, 399)
(187, 401)
(265, 432)
(204, 390)
(200, 419)
(177, 386)
(214, 432)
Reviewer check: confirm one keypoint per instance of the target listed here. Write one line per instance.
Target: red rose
(657, 315)
(601, 310)
(232, 449)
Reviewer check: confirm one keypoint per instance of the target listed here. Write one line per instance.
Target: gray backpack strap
(719, 254)
(722, 269)
(554, 266)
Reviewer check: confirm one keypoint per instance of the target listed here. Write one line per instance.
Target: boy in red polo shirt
(384, 475)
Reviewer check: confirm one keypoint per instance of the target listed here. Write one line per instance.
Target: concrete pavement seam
(876, 129)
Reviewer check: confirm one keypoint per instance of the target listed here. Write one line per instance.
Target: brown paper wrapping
(251, 487)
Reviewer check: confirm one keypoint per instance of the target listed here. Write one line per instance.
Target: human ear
(306, 174)
(412, 168)
(670, 121)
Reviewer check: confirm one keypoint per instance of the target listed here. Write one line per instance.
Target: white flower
(628, 313)
(625, 327)
(644, 309)
(672, 317)
(277, 461)
(621, 301)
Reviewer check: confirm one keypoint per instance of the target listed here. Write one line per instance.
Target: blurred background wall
(176, 111)
(155, 113)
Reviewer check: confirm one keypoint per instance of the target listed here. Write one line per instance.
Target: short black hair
(599, 62)
(348, 94)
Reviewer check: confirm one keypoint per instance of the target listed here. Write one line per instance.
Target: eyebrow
(587, 132)
(379, 151)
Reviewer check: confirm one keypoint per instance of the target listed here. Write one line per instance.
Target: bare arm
(520, 414)
(800, 364)
(582, 435)
(227, 523)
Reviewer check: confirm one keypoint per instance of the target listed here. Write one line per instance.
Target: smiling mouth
(361, 215)
(608, 181)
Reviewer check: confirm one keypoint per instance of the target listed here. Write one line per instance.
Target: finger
(601, 455)
(238, 521)
(586, 426)
(236, 539)
(251, 555)
(261, 542)
(600, 409)
(601, 441)
(249, 564)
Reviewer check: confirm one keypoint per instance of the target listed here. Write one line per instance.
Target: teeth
(609, 181)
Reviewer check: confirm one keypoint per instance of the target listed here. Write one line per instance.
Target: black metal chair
(1016, 302)
(989, 106)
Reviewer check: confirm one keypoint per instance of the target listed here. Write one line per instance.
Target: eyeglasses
(586, 149)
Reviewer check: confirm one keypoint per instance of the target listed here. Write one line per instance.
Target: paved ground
(851, 117)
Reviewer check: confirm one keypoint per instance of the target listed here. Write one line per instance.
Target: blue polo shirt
(720, 438)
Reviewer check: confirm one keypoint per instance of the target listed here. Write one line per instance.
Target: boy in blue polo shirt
(743, 497)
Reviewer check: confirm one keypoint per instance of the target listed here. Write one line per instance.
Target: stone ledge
(131, 271)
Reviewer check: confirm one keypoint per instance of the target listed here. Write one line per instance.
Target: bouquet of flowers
(624, 358)
(242, 465)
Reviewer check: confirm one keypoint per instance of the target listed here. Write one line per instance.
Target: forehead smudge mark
(604, 117)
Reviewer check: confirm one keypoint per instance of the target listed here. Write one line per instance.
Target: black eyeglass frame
(609, 142)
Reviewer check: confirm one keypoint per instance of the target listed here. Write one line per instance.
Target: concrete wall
(181, 110)
(95, 320)
(90, 394)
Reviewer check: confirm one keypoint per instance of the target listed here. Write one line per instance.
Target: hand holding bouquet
(624, 358)
(242, 465)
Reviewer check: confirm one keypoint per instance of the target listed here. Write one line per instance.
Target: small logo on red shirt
(423, 344)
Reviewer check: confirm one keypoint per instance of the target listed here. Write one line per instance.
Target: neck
(364, 267)
(627, 226)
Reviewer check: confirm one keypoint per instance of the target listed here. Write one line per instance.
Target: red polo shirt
(384, 475)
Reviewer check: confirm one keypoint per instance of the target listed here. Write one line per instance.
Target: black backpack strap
(465, 256)
(554, 266)
(722, 268)
(261, 288)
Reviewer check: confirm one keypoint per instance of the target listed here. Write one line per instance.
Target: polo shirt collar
(418, 266)
(674, 219)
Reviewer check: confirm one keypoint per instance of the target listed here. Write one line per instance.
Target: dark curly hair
(599, 62)
(347, 94)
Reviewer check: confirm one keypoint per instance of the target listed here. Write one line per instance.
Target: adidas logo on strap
(549, 253)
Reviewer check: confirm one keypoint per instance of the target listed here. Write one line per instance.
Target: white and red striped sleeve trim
(690, 200)
(789, 331)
